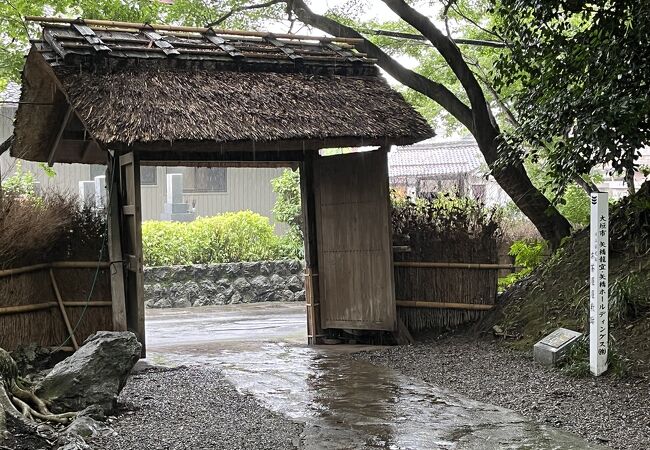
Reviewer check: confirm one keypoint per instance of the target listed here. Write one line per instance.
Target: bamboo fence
(444, 283)
(50, 304)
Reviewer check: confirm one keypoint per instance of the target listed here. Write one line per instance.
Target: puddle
(343, 403)
(348, 404)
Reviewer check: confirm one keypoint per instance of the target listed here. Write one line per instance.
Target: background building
(210, 191)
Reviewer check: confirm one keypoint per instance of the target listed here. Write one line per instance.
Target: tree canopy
(581, 72)
(565, 79)
(15, 32)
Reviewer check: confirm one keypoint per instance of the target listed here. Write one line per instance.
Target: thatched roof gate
(125, 94)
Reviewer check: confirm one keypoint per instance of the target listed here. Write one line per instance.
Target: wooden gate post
(116, 268)
(131, 220)
(312, 295)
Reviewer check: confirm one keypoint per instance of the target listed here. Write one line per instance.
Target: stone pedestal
(550, 350)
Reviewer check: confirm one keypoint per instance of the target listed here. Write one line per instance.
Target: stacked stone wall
(222, 284)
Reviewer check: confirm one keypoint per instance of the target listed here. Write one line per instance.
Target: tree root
(20, 402)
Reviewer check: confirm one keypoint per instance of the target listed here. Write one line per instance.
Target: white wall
(247, 188)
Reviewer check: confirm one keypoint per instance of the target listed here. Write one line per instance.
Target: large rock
(94, 375)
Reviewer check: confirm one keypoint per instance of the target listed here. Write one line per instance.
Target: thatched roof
(153, 90)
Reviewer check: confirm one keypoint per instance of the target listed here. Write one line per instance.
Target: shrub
(19, 184)
(228, 237)
(288, 210)
(528, 255)
(53, 227)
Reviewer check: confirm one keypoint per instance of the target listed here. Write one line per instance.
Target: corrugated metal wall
(247, 188)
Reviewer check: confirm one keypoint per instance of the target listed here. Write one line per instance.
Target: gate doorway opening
(128, 94)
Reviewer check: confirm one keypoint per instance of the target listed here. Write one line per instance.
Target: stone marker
(87, 192)
(100, 191)
(550, 350)
(175, 209)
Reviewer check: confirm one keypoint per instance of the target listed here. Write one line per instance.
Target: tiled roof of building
(431, 158)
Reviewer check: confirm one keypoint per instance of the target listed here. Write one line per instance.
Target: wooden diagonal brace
(57, 139)
(66, 320)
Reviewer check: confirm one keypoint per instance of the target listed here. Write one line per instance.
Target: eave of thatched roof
(125, 100)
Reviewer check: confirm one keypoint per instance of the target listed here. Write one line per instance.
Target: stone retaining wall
(221, 284)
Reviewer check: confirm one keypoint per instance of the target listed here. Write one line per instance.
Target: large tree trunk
(477, 119)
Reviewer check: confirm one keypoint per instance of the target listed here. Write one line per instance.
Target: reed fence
(51, 304)
(444, 283)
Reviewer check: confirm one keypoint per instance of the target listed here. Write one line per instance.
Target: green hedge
(228, 237)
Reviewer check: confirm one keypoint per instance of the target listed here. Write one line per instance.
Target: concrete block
(550, 350)
(178, 217)
(176, 208)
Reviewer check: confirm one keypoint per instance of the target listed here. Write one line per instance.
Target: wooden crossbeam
(443, 305)
(139, 26)
(446, 265)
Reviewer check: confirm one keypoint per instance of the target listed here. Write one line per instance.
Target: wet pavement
(343, 403)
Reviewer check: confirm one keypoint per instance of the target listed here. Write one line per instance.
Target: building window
(202, 179)
(148, 175)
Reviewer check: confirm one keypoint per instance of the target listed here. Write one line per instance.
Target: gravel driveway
(604, 410)
(193, 408)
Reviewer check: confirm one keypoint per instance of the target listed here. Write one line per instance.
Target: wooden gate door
(132, 244)
(355, 261)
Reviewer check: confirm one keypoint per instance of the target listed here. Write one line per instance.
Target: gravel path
(193, 408)
(606, 411)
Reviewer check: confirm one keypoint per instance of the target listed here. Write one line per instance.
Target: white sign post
(599, 284)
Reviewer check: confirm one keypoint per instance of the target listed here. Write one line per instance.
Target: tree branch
(419, 37)
(241, 9)
(450, 52)
(435, 91)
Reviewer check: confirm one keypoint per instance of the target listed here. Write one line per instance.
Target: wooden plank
(66, 320)
(132, 245)
(118, 288)
(354, 241)
(312, 290)
(283, 48)
(447, 265)
(89, 36)
(443, 305)
(223, 44)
